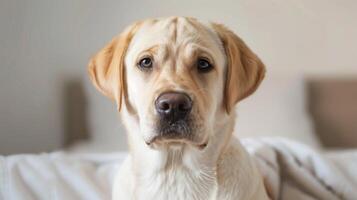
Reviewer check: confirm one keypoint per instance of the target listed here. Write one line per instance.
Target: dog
(176, 82)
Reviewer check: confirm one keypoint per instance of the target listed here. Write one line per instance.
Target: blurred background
(47, 102)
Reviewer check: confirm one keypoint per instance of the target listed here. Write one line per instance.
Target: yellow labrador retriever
(176, 82)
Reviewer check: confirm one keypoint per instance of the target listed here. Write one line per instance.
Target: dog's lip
(156, 139)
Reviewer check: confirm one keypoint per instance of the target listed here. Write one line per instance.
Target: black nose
(173, 106)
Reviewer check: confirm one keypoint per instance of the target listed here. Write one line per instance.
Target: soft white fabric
(58, 176)
(292, 171)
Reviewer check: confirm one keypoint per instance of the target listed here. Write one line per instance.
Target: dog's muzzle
(173, 109)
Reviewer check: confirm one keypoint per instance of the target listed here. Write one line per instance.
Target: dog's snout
(173, 105)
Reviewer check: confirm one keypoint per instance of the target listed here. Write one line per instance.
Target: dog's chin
(162, 142)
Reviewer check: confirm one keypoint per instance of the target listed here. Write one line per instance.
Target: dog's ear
(106, 68)
(245, 70)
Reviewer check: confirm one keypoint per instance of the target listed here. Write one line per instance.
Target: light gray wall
(46, 44)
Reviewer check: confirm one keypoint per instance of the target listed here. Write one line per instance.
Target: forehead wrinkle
(164, 53)
(198, 27)
(187, 33)
(174, 31)
(207, 29)
(168, 27)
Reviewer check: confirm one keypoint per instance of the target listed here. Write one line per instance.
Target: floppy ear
(245, 70)
(106, 69)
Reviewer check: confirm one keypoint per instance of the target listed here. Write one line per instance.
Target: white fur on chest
(180, 176)
(180, 183)
(167, 176)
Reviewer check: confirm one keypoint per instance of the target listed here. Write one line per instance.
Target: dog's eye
(203, 65)
(145, 63)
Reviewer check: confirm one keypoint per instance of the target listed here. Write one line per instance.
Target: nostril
(184, 107)
(164, 106)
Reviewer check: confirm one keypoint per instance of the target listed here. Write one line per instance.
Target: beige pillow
(278, 108)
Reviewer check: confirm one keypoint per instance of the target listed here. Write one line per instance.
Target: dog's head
(176, 77)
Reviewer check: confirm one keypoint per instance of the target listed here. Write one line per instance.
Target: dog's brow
(152, 49)
(202, 51)
(157, 49)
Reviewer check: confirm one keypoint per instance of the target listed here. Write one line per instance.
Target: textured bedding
(58, 176)
(291, 171)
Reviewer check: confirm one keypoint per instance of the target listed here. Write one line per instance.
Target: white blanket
(292, 171)
(58, 176)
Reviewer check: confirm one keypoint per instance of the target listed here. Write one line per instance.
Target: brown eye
(145, 63)
(203, 65)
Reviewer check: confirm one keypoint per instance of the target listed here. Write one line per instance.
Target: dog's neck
(175, 171)
(186, 171)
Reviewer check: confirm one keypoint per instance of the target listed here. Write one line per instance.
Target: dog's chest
(178, 183)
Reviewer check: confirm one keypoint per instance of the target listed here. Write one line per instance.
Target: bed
(291, 171)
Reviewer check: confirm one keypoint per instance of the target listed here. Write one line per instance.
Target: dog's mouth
(157, 141)
(175, 134)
